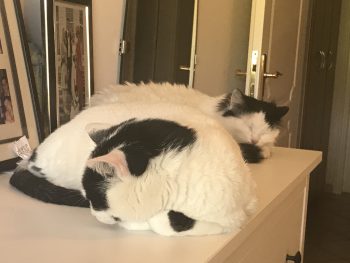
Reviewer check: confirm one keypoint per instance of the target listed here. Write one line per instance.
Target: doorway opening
(157, 41)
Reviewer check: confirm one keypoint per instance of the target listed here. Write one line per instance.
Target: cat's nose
(254, 141)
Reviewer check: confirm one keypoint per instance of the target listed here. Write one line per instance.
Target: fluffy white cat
(156, 166)
(252, 123)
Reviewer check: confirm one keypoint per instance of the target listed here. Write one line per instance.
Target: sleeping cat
(253, 123)
(170, 178)
(57, 170)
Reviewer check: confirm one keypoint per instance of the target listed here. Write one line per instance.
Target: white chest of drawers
(31, 231)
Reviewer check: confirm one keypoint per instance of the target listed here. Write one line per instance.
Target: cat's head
(115, 194)
(112, 185)
(101, 174)
(250, 120)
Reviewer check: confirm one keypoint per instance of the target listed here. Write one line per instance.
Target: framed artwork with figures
(68, 42)
(18, 101)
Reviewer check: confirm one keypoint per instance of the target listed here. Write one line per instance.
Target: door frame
(260, 26)
(122, 28)
(255, 44)
(193, 45)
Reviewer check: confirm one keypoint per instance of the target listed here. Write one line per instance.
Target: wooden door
(174, 38)
(278, 29)
(140, 40)
(320, 81)
(158, 39)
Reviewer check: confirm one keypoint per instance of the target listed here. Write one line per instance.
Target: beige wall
(107, 25)
(222, 41)
(222, 45)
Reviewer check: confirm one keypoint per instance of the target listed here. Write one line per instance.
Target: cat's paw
(134, 225)
(265, 152)
(251, 153)
(103, 217)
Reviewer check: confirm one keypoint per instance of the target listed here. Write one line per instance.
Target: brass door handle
(185, 68)
(265, 75)
(275, 75)
(240, 73)
(323, 59)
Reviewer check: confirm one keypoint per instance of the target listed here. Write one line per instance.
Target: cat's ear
(96, 126)
(236, 97)
(112, 164)
(282, 110)
(97, 131)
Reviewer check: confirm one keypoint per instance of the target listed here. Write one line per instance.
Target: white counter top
(32, 231)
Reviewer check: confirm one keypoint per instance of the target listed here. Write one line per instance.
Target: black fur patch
(43, 190)
(251, 153)
(101, 135)
(273, 113)
(180, 222)
(33, 156)
(98, 136)
(145, 139)
(140, 141)
(95, 186)
(35, 168)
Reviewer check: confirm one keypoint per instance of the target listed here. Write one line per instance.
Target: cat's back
(61, 157)
(151, 92)
(115, 113)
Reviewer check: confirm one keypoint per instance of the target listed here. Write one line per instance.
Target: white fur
(249, 129)
(208, 182)
(103, 217)
(159, 224)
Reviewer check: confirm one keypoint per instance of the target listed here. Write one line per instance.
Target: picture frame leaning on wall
(69, 61)
(18, 99)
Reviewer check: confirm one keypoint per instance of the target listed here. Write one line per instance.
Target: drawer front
(281, 232)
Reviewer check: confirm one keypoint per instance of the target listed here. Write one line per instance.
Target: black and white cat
(252, 123)
(244, 117)
(173, 179)
(160, 170)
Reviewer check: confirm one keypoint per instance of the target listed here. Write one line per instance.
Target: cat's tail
(41, 189)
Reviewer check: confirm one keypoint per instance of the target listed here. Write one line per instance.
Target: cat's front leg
(134, 225)
(251, 153)
(266, 151)
(103, 217)
(173, 223)
(106, 218)
(266, 143)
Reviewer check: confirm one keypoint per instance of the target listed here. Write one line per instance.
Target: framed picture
(18, 101)
(68, 48)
